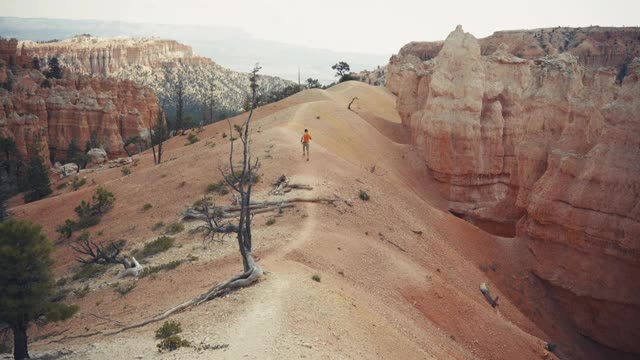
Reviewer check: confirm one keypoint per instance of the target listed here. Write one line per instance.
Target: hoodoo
(545, 149)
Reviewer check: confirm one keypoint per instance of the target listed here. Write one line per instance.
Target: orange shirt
(306, 137)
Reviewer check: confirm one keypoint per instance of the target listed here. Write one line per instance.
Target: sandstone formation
(156, 63)
(548, 142)
(73, 108)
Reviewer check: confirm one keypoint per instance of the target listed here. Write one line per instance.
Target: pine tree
(72, 151)
(38, 184)
(35, 63)
(55, 71)
(26, 283)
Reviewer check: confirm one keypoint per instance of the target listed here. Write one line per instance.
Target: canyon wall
(73, 108)
(157, 63)
(542, 147)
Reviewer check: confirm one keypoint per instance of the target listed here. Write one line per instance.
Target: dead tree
(90, 252)
(352, 100)
(159, 135)
(241, 181)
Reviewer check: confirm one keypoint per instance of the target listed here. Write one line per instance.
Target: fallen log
(487, 295)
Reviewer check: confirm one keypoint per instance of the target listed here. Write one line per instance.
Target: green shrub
(163, 267)
(193, 138)
(220, 187)
(61, 186)
(363, 195)
(89, 214)
(147, 207)
(172, 343)
(157, 226)
(316, 277)
(88, 271)
(157, 246)
(271, 221)
(77, 184)
(174, 228)
(58, 313)
(169, 328)
(125, 171)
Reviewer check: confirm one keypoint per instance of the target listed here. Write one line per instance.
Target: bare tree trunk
(20, 340)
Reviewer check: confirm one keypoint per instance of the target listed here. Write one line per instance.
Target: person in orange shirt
(306, 138)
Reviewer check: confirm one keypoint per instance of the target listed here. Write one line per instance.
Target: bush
(220, 187)
(76, 184)
(61, 186)
(174, 228)
(363, 195)
(157, 246)
(88, 271)
(172, 343)
(125, 289)
(271, 221)
(316, 277)
(89, 214)
(147, 207)
(193, 138)
(125, 170)
(157, 226)
(155, 269)
(169, 328)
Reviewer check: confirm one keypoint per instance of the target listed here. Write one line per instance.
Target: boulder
(97, 155)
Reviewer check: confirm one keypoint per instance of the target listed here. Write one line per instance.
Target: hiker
(306, 138)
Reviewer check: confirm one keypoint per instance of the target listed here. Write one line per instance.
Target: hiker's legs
(305, 149)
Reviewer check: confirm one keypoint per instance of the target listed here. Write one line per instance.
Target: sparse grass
(172, 343)
(363, 195)
(125, 288)
(157, 246)
(125, 170)
(220, 188)
(169, 328)
(147, 207)
(316, 277)
(157, 226)
(81, 292)
(88, 271)
(61, 186)
(163, 267)
(271, 221)
(77, 184)
(256, 177)
(174, 228)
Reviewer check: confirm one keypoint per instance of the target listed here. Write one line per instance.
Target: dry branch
(487, 295)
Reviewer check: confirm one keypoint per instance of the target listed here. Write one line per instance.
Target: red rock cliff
(74, 108)
(552, 144)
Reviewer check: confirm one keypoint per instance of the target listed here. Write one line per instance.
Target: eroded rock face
(74, 109)
(157, 63)
(552, 144)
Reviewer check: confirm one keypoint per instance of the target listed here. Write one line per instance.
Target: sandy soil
(399, 275)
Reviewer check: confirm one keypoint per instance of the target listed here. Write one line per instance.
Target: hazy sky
(372, 26)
